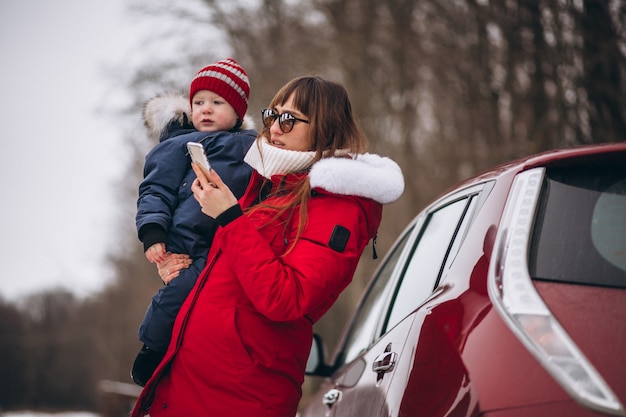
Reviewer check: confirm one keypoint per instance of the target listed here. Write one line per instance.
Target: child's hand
(156, 253)
(172, 265)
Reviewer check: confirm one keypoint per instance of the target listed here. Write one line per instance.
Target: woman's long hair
(333, 128)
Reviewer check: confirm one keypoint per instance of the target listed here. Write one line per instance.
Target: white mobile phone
(196, 151)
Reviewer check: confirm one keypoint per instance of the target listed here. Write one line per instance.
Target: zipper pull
(374, 254)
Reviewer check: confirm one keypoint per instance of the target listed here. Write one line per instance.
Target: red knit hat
(226, 78)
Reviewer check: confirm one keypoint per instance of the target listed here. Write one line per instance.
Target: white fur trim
(161, 110)
(365, 175)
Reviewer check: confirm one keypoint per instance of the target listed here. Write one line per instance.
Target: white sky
(59, 157)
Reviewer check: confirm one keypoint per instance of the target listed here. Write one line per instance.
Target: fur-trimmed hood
(164, 110)
(365, 175)
(168, 113)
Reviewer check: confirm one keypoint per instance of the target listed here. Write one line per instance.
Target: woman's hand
(171, 266)
(211, 193)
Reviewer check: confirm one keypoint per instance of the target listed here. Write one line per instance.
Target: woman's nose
(275, 128)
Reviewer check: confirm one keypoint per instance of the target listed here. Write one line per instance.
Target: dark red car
(506, 297)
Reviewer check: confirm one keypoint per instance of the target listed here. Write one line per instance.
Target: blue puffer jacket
(166, 209)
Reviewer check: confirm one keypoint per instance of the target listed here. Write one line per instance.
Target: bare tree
(15, 363)
(604, 71)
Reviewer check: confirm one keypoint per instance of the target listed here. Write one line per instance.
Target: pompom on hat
(226, 78)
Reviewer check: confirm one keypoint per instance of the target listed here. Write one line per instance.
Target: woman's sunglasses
(285, 120)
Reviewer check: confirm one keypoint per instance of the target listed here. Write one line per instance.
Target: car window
(367, 318)
(427, 259)
(580, 230)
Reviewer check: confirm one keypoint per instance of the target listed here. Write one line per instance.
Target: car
(505, 297)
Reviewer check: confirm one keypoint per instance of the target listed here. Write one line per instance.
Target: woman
(279, 260)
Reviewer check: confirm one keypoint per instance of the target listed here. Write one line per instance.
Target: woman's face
(298, 138)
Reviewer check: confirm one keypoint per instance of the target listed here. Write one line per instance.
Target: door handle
(385, 362)
(331, 397)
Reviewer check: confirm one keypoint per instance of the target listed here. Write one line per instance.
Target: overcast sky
(60, 157)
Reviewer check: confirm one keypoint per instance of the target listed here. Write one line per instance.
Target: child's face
(210, 112)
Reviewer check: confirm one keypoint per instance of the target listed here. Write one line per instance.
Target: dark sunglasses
(285, 120)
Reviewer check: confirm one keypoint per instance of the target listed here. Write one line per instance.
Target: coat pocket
(239, 352)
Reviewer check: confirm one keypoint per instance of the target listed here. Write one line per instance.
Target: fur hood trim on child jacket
(164, 112)
(169, 114)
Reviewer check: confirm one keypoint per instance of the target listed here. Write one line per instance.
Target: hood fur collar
(163, 110)
(366, 175)
(171, 109)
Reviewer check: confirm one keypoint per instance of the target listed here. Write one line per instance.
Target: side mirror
(315, 365)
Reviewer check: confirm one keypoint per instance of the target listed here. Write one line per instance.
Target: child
(169, 220)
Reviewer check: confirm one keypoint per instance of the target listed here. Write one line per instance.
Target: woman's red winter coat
(242, 338)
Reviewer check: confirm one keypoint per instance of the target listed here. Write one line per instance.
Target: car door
(428, 360)
(372, 353)
(363, 329)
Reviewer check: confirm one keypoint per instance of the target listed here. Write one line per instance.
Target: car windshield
(580, 230)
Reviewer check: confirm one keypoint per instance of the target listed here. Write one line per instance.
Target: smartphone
(196, 151)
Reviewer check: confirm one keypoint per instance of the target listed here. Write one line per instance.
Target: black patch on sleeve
(339, 238)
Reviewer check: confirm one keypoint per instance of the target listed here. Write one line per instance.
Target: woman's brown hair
(332, 128)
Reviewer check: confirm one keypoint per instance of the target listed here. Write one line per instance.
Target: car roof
(575, 154)
(556, 157)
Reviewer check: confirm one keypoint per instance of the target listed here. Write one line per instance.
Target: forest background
(445, 88)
